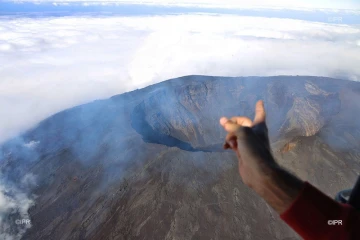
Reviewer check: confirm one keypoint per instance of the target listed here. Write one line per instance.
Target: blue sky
(311, 4)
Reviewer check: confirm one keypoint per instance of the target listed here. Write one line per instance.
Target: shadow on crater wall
(149, 135)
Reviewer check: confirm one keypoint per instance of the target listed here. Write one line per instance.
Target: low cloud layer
(50, 64)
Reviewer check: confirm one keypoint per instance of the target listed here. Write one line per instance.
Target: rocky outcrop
(149, 164)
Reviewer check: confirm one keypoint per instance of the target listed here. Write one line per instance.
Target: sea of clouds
(50, 64)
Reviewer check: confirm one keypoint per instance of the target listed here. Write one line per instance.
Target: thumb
(260, 114)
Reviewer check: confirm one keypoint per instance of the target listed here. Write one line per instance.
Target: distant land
(51, 9)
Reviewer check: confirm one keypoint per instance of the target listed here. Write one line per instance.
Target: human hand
(258, 168)
(250, 141)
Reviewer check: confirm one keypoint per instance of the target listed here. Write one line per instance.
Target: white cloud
(49, 64)
(31, 144)
(15, 201)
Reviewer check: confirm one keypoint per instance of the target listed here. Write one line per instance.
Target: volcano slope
(149, 164)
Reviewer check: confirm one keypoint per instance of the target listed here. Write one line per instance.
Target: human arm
(303, 207)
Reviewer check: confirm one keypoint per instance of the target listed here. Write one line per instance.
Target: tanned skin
(257, 166)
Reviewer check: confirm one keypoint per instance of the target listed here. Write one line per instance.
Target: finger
(260, 113)
(223, 120)
(228, 144)
(230, 136)
(231, 143)
(230, 126)
(231, 140)
(242, 121)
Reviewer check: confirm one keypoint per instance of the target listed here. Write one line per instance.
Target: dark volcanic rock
(149, 164)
